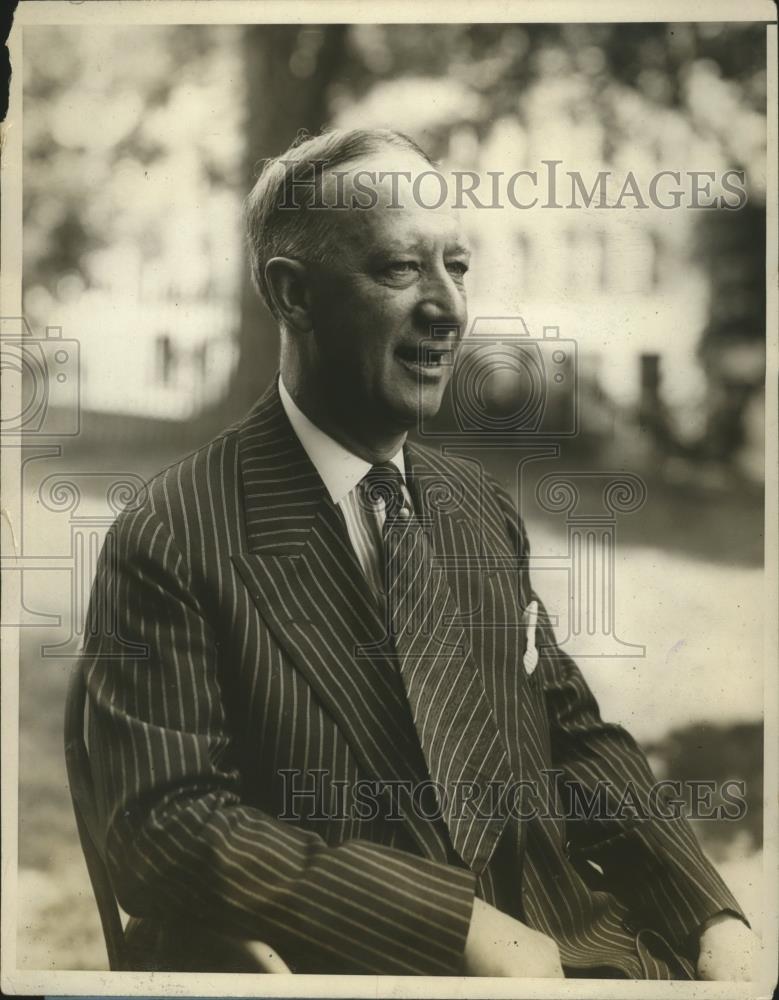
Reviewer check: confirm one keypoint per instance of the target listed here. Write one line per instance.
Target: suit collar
(340, 469)
(283, 492)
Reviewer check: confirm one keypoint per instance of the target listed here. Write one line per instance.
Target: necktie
(465, 756)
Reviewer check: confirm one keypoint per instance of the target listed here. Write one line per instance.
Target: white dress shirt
(341, 471)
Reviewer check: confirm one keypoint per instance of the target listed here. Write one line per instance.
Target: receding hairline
(370, 164)
(334, 148)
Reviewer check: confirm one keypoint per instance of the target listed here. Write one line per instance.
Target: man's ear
(288, 284)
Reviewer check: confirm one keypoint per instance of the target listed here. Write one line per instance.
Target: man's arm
(180, 842)
(656, 864)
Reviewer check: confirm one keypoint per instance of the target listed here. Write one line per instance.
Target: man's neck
(373, 445)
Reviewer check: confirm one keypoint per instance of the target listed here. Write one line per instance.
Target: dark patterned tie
(456, 729)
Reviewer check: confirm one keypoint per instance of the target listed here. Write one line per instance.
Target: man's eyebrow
(417, 246)
(402, 246)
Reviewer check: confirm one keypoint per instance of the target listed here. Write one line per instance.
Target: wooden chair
(248, 955)
(83, 797)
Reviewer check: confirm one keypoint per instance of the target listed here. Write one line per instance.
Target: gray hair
(276, 228)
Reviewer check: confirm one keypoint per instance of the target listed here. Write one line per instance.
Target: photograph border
(60, 12)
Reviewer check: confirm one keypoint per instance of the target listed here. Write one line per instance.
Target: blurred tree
(501, 61)
(732, 348)
(100, 123)
(719, 753)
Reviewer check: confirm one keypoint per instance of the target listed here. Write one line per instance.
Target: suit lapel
(304, 578)
(484, 577)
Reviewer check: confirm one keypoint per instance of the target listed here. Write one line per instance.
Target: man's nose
(443, 304)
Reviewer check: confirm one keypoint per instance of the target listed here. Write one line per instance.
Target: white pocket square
(529, 619)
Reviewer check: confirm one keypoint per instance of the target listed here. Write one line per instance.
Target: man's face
(397, 280)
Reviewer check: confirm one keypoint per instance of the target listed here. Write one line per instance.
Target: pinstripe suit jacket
(234, 657)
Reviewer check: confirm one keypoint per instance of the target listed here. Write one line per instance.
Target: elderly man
(306, 649)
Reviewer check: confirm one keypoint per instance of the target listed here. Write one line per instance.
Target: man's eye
(458, 267)
(402, 267)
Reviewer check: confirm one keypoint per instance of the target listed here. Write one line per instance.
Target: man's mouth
(426, 357)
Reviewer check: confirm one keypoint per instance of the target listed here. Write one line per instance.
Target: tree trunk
(288, 72)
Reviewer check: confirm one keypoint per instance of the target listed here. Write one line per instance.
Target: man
(310, 657)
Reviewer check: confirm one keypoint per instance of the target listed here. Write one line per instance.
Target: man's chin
(409, 409)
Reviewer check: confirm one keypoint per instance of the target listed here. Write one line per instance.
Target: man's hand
(727, 950)
(498, 945)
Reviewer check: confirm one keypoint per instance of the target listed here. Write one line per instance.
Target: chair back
(83, 797)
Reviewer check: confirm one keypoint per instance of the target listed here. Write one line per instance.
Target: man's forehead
(405, 229)
(393, 193)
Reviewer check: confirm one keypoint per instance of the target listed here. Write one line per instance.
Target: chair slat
(83, 798)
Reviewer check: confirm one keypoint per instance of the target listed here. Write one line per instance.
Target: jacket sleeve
(179, 841)
(650, 855)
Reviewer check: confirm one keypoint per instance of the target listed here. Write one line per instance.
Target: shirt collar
(340, 469)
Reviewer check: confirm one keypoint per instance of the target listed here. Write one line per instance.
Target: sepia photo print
(389, 499)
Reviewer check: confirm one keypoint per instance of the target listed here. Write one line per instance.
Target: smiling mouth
(425, 358)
